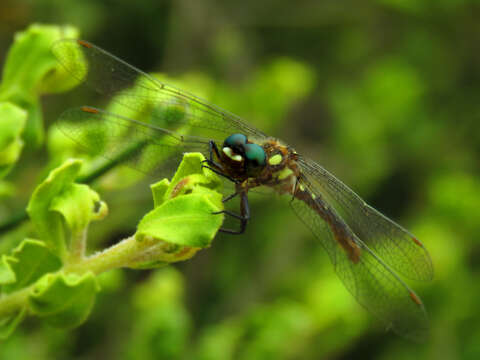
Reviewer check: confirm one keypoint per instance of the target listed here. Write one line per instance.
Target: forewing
(368, 279)
(391, 242)
(132, 88)
(143, 147)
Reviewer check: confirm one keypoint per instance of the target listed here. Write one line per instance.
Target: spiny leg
(230, 197)
(220, 173)
(212, 148)
(244, 213)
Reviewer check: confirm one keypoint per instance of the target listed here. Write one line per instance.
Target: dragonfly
(160, 122)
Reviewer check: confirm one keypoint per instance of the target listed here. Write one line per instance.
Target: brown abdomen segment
(342, 234)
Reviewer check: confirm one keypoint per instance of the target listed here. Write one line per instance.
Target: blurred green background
(383, 93)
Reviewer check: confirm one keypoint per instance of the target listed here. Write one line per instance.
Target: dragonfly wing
(141, 146)
(394, 244)
(373, 284)
(133, 89)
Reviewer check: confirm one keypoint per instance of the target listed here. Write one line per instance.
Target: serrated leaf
(185, 220)
(64, 300)
(12, 122)
(9, 323)
(28, 72)
(30, 261)
(56, 197)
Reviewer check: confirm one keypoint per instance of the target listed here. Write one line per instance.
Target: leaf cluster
(50, 274)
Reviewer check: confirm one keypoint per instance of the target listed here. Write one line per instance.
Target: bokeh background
(383, 93)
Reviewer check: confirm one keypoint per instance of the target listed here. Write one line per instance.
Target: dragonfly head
(238, 149)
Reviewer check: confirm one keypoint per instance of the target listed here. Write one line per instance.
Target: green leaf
(8, 324)
(64, 300)
(76, 204)
(7, 274)
(184, 220)
(184, 207)
(159, 191)
(30, 261)
(189, 176)
(58, 196)
(30, 71)
(192, 164)
(12, 122)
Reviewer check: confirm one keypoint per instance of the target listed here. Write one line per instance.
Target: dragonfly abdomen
(342, 234)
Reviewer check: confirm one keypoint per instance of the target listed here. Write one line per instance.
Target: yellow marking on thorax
(284, 173)
(275, 159)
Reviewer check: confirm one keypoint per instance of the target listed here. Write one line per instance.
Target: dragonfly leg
(212, 148)
(214, 166)
(212, 163)
(220, 173)
(243, 217)
(229, 197)
(294, 189)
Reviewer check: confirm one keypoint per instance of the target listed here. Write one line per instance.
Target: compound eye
(255, 155)
(235, 140)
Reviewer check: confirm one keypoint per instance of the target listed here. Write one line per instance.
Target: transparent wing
(133, 89)
(143, 147)
(366, 277)
(391, 242)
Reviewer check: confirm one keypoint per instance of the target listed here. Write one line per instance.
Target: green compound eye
(235, 140)
(255, 155)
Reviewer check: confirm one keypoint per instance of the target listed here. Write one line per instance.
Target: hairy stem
(115, 256)
(78, 246)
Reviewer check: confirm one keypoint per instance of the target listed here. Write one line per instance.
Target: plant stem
(123, 254)
(115, 256)
(78, 246)
(130, 253)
